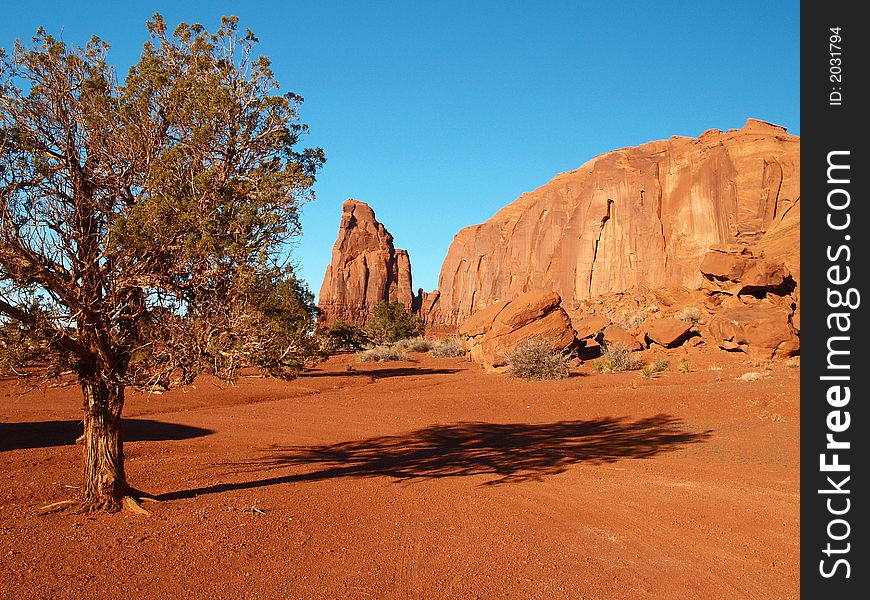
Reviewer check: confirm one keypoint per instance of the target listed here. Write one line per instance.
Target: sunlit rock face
(637, 217)
(366, 268)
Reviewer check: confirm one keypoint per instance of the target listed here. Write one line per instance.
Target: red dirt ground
(423, 479)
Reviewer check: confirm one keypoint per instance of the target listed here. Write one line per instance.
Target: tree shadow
(511, 452)
(381, 373)
(46, 434)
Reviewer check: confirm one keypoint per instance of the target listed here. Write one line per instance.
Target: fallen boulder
(491, 334)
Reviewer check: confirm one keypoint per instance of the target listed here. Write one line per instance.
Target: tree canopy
(145, 224)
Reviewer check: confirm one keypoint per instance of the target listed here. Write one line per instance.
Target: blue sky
(439, 113)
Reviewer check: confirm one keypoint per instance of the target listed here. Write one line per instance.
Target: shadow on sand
(380, 373)
(44, 434)
(510, 452)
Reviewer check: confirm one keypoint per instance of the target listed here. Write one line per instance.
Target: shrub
(447, 348)
(685, 367)
(414, 344)
(618, 357)
(391, 322)
(689, 314)
(751, 376)
(534, 359)
(343, 336)
(655, 368)
(382, 354)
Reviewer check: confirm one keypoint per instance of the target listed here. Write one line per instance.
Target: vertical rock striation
(637, 217)
(366, 268)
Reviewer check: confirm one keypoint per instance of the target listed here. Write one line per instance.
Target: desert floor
(421, 479)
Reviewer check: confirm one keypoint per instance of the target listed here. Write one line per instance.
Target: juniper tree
(144, 223)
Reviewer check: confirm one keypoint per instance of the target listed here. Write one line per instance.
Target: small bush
(534, 359)
(447, 348)
(751, 376)
(685, 367)
(390, 323)
(382, 354)
(414, 344)
(343, 336)
(655, 368)
(689, 314)
(617, 358)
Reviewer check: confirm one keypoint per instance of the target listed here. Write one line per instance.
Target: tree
(390, 322)
(144, 225)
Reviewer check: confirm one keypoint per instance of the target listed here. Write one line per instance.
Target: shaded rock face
(638, 217)
(366, 268)
(491, 334)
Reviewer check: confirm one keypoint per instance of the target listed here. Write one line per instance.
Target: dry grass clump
(447, 348)
(689, 314)
(534, 359)
(414, 344)
(382, 354)
(655, 368)
(618, 357)
(751, 376)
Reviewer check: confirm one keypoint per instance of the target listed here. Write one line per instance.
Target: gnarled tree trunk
(105, 484)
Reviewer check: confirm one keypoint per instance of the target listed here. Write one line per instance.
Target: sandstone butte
(366, 268)
(634, 218)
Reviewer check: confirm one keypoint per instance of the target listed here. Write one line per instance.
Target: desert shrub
(685, 367)
(447, 348)
(655, 368)
(618, 357)
(382, 354)
(414, 344)
(344, 336)
(751, 376)
(689, 314)
(390, 323)
(534, 359)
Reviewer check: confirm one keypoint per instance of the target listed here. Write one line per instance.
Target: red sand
(424, 479)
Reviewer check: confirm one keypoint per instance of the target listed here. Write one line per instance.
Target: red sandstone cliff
(633, 218)
(366, 268)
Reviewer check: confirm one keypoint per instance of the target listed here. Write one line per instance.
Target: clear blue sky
(439, 113)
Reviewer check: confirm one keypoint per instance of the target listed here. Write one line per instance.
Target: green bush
(655, 368)
(447, 348)
(390, 323)
(534, 359)
(344, 336)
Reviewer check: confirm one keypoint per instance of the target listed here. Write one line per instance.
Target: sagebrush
(534, 359)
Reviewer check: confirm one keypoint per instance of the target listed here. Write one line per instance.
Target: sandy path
(425, 479)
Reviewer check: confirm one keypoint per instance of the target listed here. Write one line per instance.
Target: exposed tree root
(56, 506)
(133, 505)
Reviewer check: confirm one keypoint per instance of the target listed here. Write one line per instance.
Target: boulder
(762, 330)
(736, 270)
(667, 332)
(590, 327)
(616, 335)
(491, 334)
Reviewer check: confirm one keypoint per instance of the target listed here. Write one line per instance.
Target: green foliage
(390, 322)
(534, 359)
(345, 337)
(655, 368)
(448, 348)
(154, 214)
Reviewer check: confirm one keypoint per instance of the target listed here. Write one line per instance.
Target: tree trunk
(105, 484)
